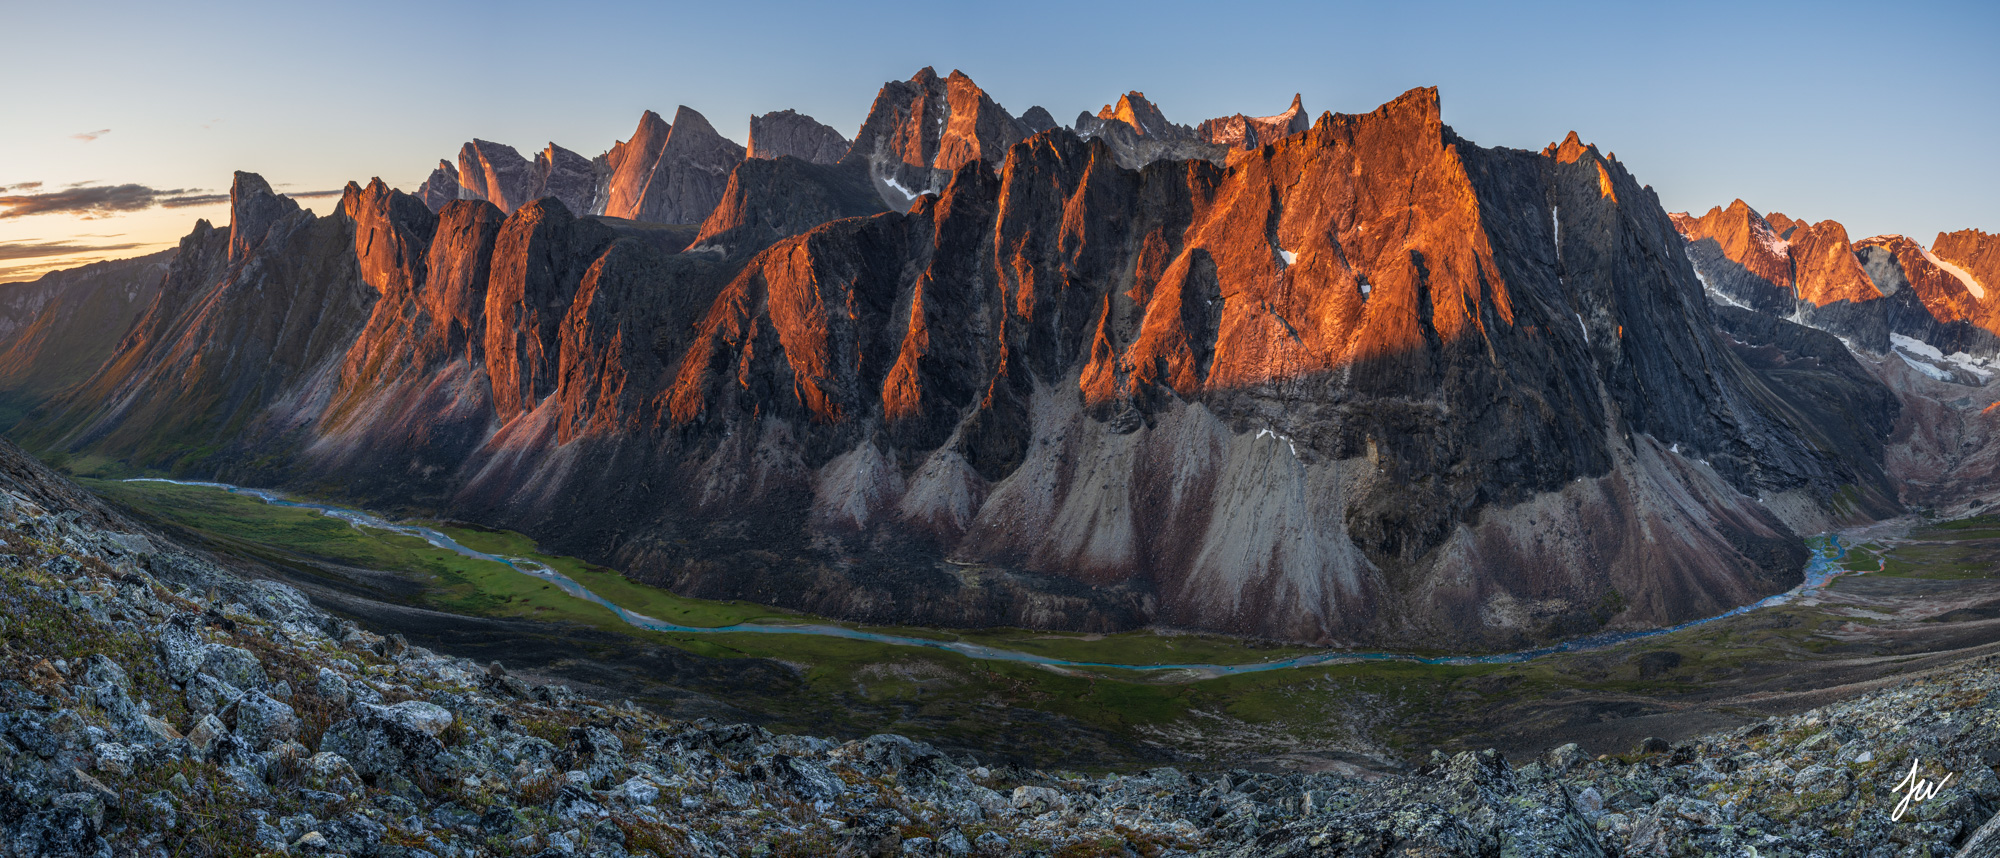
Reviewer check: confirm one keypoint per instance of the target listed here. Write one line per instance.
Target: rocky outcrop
(539, 261)
(1973, 258)
(790, 133)
(670, 173)
(254, 210)
(1824, 267)
(1759, 272)
(1038, 120)
(441, 188)
(921, 130)
(1250, 132)
(498, 174)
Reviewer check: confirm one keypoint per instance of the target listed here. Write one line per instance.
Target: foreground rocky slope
(1366, 382)
(153, 704)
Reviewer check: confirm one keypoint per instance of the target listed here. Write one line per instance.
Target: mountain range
(1352, 380)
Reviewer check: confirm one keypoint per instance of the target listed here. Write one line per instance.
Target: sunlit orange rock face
(1364, 382)
(1746, 238)
(1769, 261)
(1348, 296)
(667, 173)
(1939, 290)
(1824, 267)
(1977, 254)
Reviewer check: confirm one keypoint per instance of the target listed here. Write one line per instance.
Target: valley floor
(1935, 601)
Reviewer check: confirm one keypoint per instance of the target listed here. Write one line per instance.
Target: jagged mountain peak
(667, 172)
(1137, 112)
(1248, 132)
(1570, 150)
(1073, 369)
(441, 188)
(495, 172)
(253, 208)
(921, 130)
(688, 120)
(1038, 119)
(790, 133)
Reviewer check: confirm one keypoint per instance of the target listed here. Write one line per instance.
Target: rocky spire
(671, 173)
(253, 208)
(631, 162)
(496, 173)
(565, 175)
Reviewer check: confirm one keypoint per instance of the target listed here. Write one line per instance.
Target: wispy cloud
(310, 194)
(96, 201)
(34, 270)
(34, 250)
(193, 200)
(88, 136)
(24, 186)
(35, 258)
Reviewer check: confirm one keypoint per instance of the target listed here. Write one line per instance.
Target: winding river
(1820, 571)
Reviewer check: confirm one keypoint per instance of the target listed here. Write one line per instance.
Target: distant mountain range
(1348, 380)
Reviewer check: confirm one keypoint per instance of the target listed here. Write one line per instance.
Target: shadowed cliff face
(60, 328)
(1367, 382)
(242, 343)
(790, 133)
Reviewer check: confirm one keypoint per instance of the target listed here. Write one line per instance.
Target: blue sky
(1882, 117)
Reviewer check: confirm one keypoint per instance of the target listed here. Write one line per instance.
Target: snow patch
(1971, 285)
(1777, 246)
(1582, 327)
(1288, 256)
(1925, 368)
(1977, 366)
(906, 192)
(1916, 346)
(1555, 223)
(1285, 438)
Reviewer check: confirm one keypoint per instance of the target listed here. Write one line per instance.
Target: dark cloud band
(93, 201)
(33, 250)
